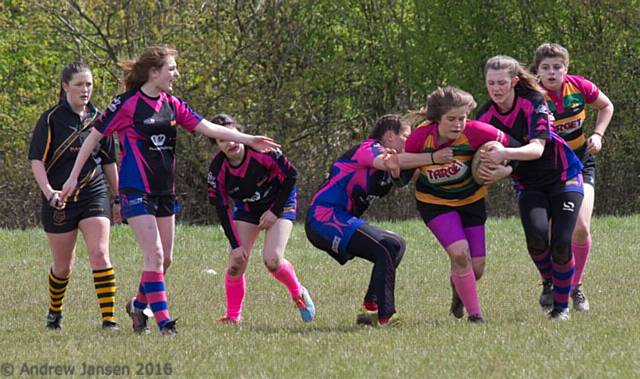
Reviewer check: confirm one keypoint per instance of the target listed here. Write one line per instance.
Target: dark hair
(514, 68)
(393, 122)
(136, 71)
(67, 74)
(227, 121)
(549, 50)
(441, 101)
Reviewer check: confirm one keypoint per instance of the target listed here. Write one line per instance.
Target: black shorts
(67, 219)
(589, 170)
(473, 214)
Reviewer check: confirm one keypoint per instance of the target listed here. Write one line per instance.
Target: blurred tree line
(312, 74)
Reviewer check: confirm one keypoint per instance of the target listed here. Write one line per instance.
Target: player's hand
(68, 187)
(239, 254)
(495, 154)
(392, 162)
(56, 200)
(594, 144)
(443, 156)
(263, 144)
(115, 213)
(491, 173)
(267, 220)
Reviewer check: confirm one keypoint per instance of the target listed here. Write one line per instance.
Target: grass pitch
(272, 342)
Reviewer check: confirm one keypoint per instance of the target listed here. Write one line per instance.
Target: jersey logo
(115, 103)
(335, 244)
(568, 206)
(149, 121)
(542, 108)
(158, 139)
(450, 172)
(211, 179)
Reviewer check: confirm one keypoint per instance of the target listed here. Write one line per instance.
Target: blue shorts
(253, 216)
(331, 229)
(132, 205)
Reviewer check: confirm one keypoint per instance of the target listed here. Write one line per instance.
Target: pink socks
(581, 255)
(467, 290)
(235, 287)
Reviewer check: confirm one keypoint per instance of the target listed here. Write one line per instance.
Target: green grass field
(516, 342)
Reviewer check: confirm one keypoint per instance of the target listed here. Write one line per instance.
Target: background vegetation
(312, 74)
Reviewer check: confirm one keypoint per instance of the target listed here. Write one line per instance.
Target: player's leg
(275, 243)
(534, 214)
(564, 208)
(145, 228)
(63, 253)
(96, 231)
(384, 250)
(234, 280)
(581, 247)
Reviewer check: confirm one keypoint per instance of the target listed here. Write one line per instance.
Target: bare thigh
(96, 231)
(145, 228)
(275, 243)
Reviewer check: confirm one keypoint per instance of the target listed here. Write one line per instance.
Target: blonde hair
(136, 71)
(514, 68)
(441, 101)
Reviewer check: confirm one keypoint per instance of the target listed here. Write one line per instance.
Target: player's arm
(605, 113)
(529, 152)
(211, 130)
(85, 151)
(40, 174)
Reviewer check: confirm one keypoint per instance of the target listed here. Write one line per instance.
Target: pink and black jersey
(261, 182)
(146, 128)
(353, 182)
(529, 119)
(568, 109)
(452, 183)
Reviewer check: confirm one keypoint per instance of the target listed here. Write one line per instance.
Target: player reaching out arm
(144, 117)
(547, 179)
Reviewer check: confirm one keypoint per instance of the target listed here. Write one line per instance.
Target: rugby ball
(476, 162)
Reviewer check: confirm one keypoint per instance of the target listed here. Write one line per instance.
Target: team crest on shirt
(115, 103)
(542, 108)
(158, 139)
(442, 174)
(211, 180)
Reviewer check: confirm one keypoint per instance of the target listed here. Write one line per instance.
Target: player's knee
(395, 245)
(537, 246)
(98, 257)
(237, 265)
(561, 253)
(460, 258)
(581, 233)
(272, 264)
(62, 271)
